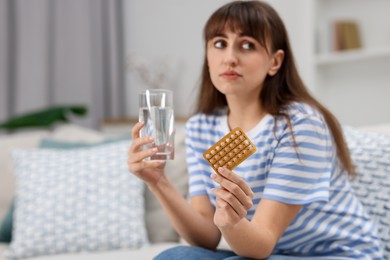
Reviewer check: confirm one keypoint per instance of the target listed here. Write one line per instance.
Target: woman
(289, 200)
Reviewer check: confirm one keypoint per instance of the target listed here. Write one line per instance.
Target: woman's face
(238, 64)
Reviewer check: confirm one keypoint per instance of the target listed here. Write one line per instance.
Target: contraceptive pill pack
(230, 150)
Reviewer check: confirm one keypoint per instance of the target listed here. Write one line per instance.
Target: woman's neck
(245, 114)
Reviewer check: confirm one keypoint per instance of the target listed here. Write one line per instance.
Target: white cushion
(7, 143)
(31, 139)
(371, 155)
(75, 201)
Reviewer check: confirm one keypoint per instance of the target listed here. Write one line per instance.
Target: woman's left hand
(234, 198)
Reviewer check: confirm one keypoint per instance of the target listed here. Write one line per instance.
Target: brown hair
(261, 21)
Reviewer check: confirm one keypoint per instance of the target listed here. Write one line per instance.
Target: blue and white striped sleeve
(300, 174)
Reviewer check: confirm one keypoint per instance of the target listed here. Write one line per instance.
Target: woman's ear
(277, 61)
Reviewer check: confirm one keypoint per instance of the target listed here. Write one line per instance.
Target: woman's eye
(219, 44)
(248, 46)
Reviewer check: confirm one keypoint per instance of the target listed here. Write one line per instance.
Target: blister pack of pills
(230, 150)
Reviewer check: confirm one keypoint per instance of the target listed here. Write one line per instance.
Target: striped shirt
(332, 221)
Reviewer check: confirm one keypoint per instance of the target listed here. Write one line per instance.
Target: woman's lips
(230, 75)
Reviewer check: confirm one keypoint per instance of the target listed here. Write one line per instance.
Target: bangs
(238, 18)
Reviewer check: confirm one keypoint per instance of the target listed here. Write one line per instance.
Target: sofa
(70, 204)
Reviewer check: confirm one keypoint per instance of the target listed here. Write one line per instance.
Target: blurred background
(101, 53)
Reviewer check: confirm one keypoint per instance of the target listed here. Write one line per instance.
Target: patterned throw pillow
(78, 200)
(6, 223)
(371, 154)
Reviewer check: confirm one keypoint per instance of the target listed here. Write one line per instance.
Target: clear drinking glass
(156, 111)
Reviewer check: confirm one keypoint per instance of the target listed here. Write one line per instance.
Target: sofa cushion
(76, 200)
(6, 224)
(31, 138)
(371, 155)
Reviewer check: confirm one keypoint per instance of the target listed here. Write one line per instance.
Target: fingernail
(213, 176)
(151, 138)
(221, 170)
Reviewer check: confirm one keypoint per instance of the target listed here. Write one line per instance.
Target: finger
(228, 174)
(232, 200)
(135, 130)
(136, 167)
(234, 189)
(138, 142)
(139, 156)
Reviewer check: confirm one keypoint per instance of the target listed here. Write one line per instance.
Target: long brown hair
(261, 21)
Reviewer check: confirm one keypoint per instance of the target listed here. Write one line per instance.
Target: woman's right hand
(149, 171)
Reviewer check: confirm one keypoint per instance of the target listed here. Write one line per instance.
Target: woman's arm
(258, 237)
(194, 221)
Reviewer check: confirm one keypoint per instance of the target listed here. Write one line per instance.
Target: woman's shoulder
(303, 113)
(301, 109)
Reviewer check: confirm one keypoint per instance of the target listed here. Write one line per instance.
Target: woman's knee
(192, 253)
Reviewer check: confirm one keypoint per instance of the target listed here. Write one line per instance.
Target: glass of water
(156, 111)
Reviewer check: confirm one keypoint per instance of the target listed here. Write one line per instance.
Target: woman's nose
(230, 58)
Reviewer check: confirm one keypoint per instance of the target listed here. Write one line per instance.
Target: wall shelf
(352, 56)
(353, 84)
